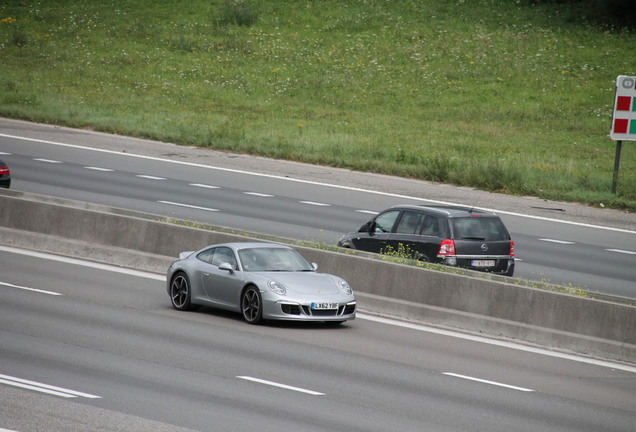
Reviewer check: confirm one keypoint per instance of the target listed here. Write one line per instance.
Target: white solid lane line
(283, 386)
(483, 381)
(188, 206)
(371, 212)
(30, 289)
(44, 388)
(556, 241)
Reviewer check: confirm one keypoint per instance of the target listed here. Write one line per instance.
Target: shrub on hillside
(614, 13)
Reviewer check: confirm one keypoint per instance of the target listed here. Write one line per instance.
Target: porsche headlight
(345, 287)
(277, 287)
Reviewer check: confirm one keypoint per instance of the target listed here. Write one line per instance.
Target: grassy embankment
(501, 95)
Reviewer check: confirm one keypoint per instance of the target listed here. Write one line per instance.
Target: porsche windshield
(273, 259)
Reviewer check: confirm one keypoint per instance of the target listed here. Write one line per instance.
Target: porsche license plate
(324, 306)
(483, 263)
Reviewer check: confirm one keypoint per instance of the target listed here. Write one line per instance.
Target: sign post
(623, 118)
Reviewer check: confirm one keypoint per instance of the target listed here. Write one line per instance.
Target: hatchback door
(373, 236)
(5, 175)
(417, 235)
(482, 243)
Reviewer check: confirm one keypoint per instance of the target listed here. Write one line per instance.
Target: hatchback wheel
(252, 305)
(180, 294)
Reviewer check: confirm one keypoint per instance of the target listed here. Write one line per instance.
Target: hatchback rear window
(479, 228)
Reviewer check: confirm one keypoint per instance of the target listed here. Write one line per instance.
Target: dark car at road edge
(453, 235)
(5, 175)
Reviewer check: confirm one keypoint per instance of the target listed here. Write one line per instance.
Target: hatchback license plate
(483, 263)
(323, 306)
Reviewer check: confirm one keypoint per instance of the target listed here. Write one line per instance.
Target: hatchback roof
(447, 210)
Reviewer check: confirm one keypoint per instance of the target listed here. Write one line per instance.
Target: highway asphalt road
(556, 242)
(86, 347)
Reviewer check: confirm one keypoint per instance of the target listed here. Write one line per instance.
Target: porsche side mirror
(226, 266)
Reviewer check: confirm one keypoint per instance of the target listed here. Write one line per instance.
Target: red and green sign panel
(624, 116)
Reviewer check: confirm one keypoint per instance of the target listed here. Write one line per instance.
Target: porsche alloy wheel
(180, 292)
(252, 305)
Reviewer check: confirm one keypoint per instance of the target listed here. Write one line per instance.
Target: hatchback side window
(430, 227)
(410, 223)
(384, 223)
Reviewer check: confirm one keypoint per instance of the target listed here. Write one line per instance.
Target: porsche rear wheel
(180, 294)
(252, 305)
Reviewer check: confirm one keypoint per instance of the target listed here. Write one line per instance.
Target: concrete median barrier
(494, 308)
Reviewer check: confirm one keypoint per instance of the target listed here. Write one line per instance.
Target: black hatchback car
(457, 236)
(5, 175)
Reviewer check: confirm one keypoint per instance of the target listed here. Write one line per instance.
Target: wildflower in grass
(565, 72)
(8, 20)
(300, 127)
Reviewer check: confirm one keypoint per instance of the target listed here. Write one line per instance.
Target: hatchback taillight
(4, 170)
(512, 248)
(446, 247)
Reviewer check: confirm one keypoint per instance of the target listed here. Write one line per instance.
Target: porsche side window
(224, 255)
(206, 255)
(384, 223)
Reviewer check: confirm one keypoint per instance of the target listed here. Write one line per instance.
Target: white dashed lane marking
(257, 194)
(47, 161)
(279, 385)
(188, 206)
(315, 203)
(204, 186)
(99, 169)
(621, 251)
(149, 177)
(557, 241)
(483, 381)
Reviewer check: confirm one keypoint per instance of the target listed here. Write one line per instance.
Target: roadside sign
(624, 115)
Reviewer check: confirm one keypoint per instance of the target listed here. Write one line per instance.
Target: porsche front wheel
(252, 305)
(180, 293)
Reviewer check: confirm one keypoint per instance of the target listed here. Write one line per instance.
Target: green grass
(498, 94)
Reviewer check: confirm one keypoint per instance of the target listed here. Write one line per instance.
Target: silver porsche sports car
(262, 281)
